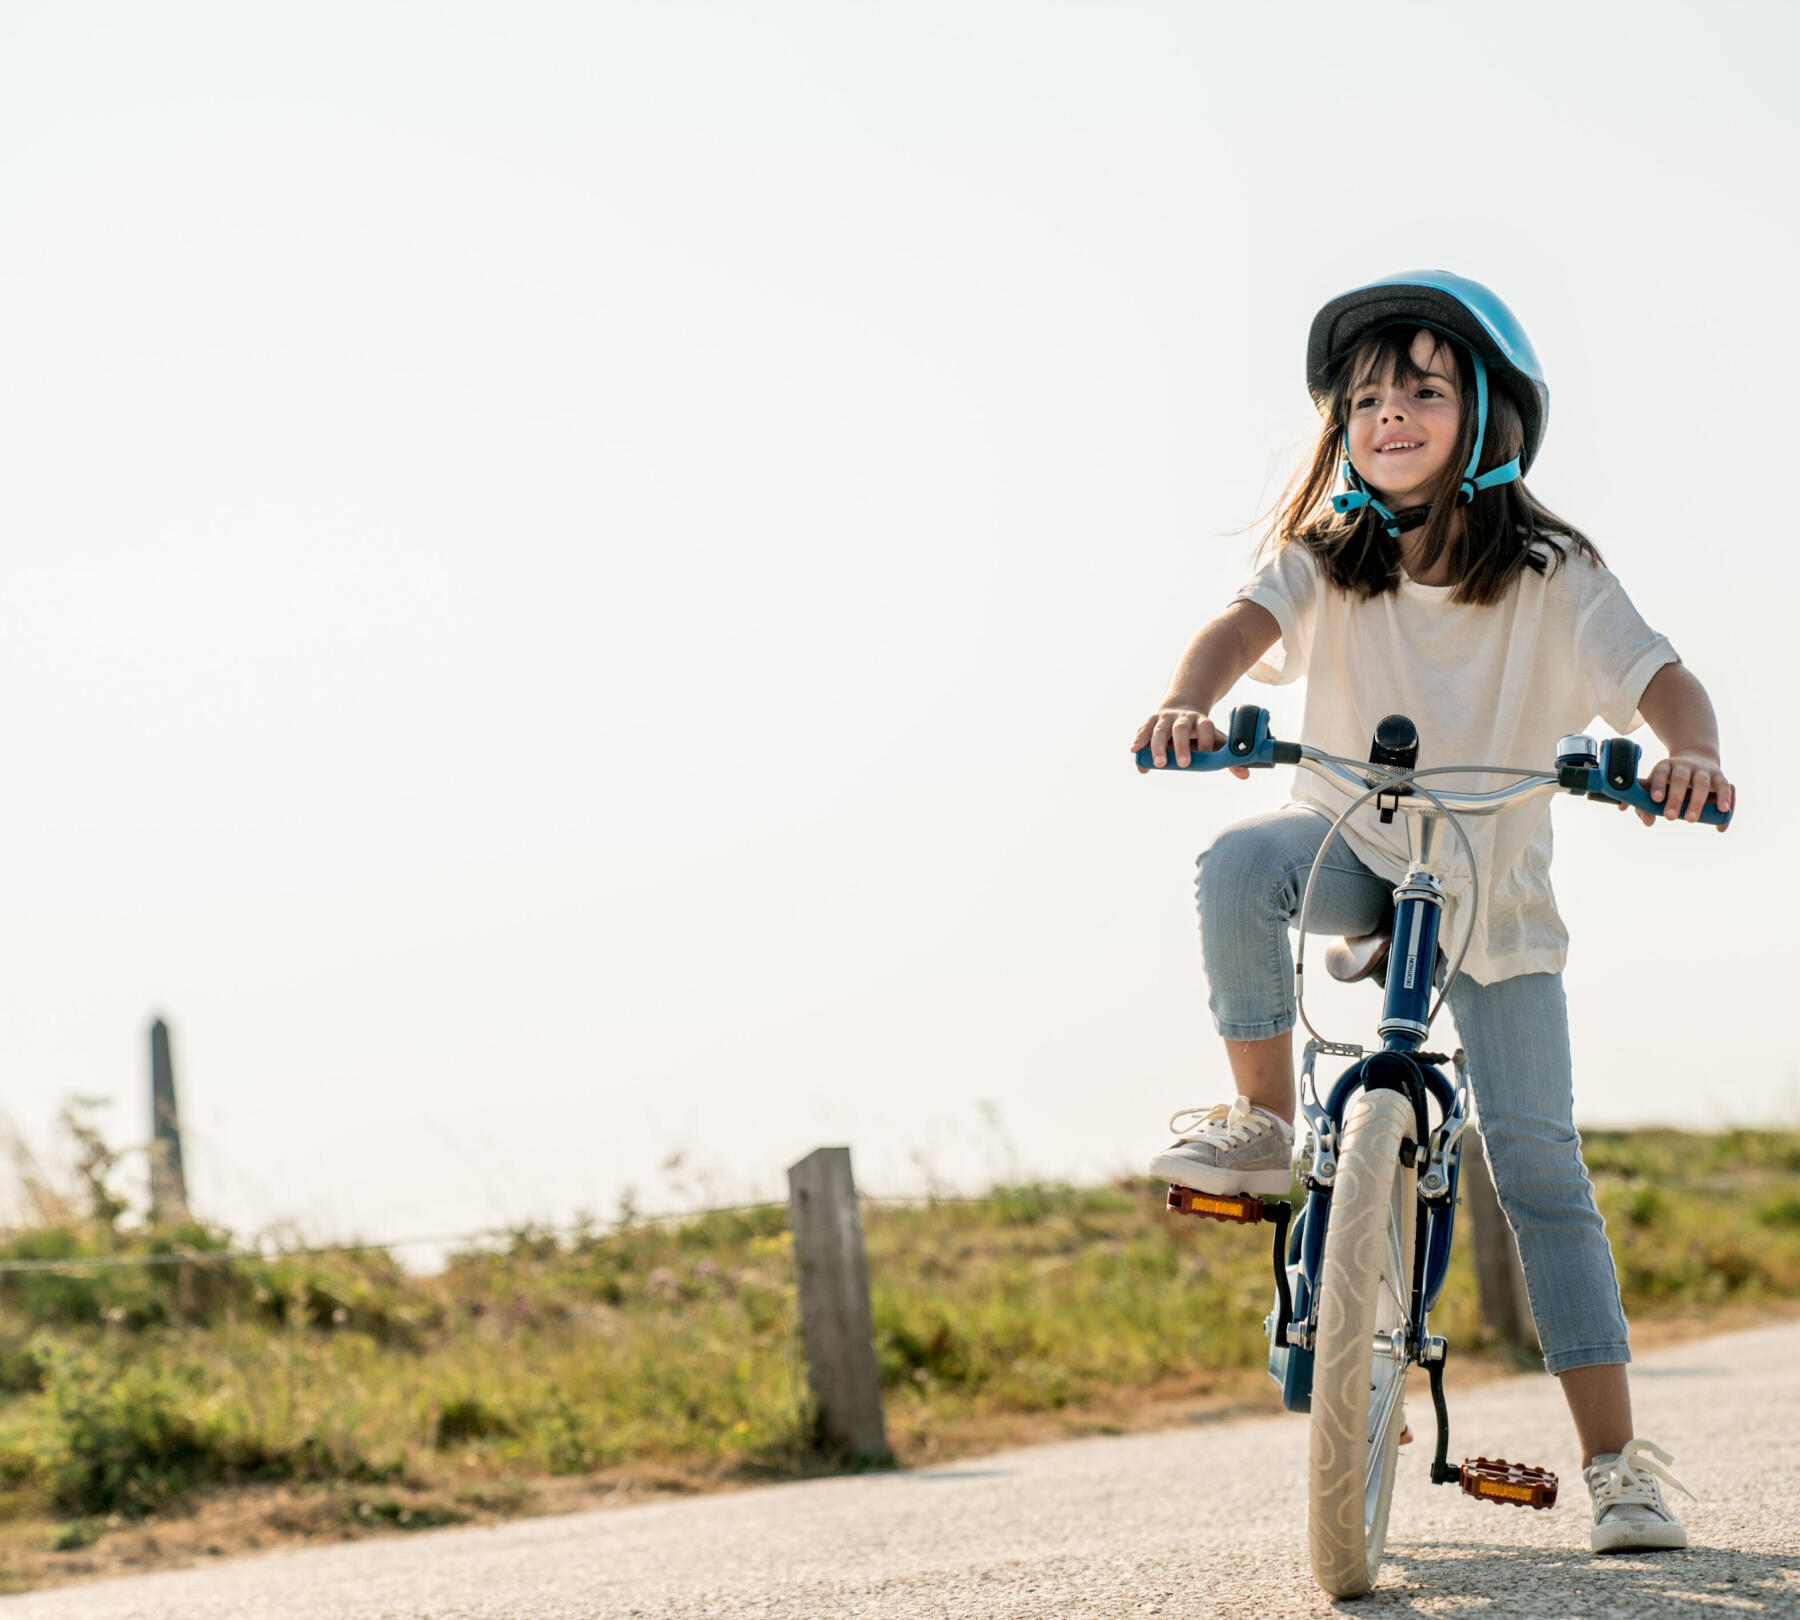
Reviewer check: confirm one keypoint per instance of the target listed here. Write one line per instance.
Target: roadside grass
(341, 1394)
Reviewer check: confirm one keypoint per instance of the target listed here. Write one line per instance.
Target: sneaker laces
(1228, 1123)
(1627, 1480)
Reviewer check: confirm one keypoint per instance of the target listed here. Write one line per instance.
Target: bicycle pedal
(1245, 1209)
(1494, 1479)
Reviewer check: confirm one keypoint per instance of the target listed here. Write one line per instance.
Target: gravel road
(1208, 1521)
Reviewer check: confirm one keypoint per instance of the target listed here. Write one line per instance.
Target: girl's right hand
(1183, 732)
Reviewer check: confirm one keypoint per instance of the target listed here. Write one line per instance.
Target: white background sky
(577, 577)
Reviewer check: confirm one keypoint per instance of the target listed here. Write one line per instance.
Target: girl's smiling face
(1403, 432)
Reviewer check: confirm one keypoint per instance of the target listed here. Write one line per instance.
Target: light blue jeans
(1515, 1031)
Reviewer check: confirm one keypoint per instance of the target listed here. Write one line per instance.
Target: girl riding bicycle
(1434, 585)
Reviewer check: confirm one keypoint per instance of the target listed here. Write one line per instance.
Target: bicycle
(1359, 1271)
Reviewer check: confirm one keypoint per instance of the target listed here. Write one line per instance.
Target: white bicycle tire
(1357, 1391)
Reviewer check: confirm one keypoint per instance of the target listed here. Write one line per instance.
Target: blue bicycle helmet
(1460, 309)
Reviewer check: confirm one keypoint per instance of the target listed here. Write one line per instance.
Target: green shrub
(1644, 1205)
(563, 1437)
(134, 1439)
(364, 1293)
(921, 1344)
(1781, 1210)
(126, 1442)
(466, 1419)
(78, 1534)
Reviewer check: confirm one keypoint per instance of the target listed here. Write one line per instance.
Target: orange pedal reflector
(1497, 1480)
(1244, 1208)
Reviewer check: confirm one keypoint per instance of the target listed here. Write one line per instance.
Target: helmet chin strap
(1358, 494)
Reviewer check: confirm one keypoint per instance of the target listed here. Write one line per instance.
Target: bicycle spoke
(1394, 1277)
(1381, 1410)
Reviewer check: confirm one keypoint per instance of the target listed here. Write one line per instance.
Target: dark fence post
(836, 1324)
(1499, 1278)
(168, 1182)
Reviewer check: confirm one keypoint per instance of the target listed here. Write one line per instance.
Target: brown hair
(1505, 529)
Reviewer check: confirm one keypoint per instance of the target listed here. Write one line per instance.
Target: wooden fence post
(1499, 1278)
(168, 1182)
(836, 1324)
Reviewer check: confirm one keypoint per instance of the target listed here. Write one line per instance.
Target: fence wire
(491, 1234)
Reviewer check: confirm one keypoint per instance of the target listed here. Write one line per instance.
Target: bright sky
(578, 577)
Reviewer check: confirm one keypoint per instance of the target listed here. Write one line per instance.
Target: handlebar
(1614, 781)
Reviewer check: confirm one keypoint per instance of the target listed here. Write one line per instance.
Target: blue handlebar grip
(1247, 742)
(1267, 753)
(1638, 797)
(1217, 760)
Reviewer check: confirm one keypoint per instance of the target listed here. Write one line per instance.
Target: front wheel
(1360, 1349)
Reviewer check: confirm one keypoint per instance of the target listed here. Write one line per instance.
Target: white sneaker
(1230, 1148)
(1629, 1512)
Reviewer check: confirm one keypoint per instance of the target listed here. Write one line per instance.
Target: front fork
(1291, 1329)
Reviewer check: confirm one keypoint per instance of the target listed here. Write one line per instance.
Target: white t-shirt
(1496, 685)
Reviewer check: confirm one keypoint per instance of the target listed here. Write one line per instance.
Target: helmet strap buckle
(1357, 496)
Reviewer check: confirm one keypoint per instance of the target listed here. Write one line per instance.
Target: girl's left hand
(1693, 776)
